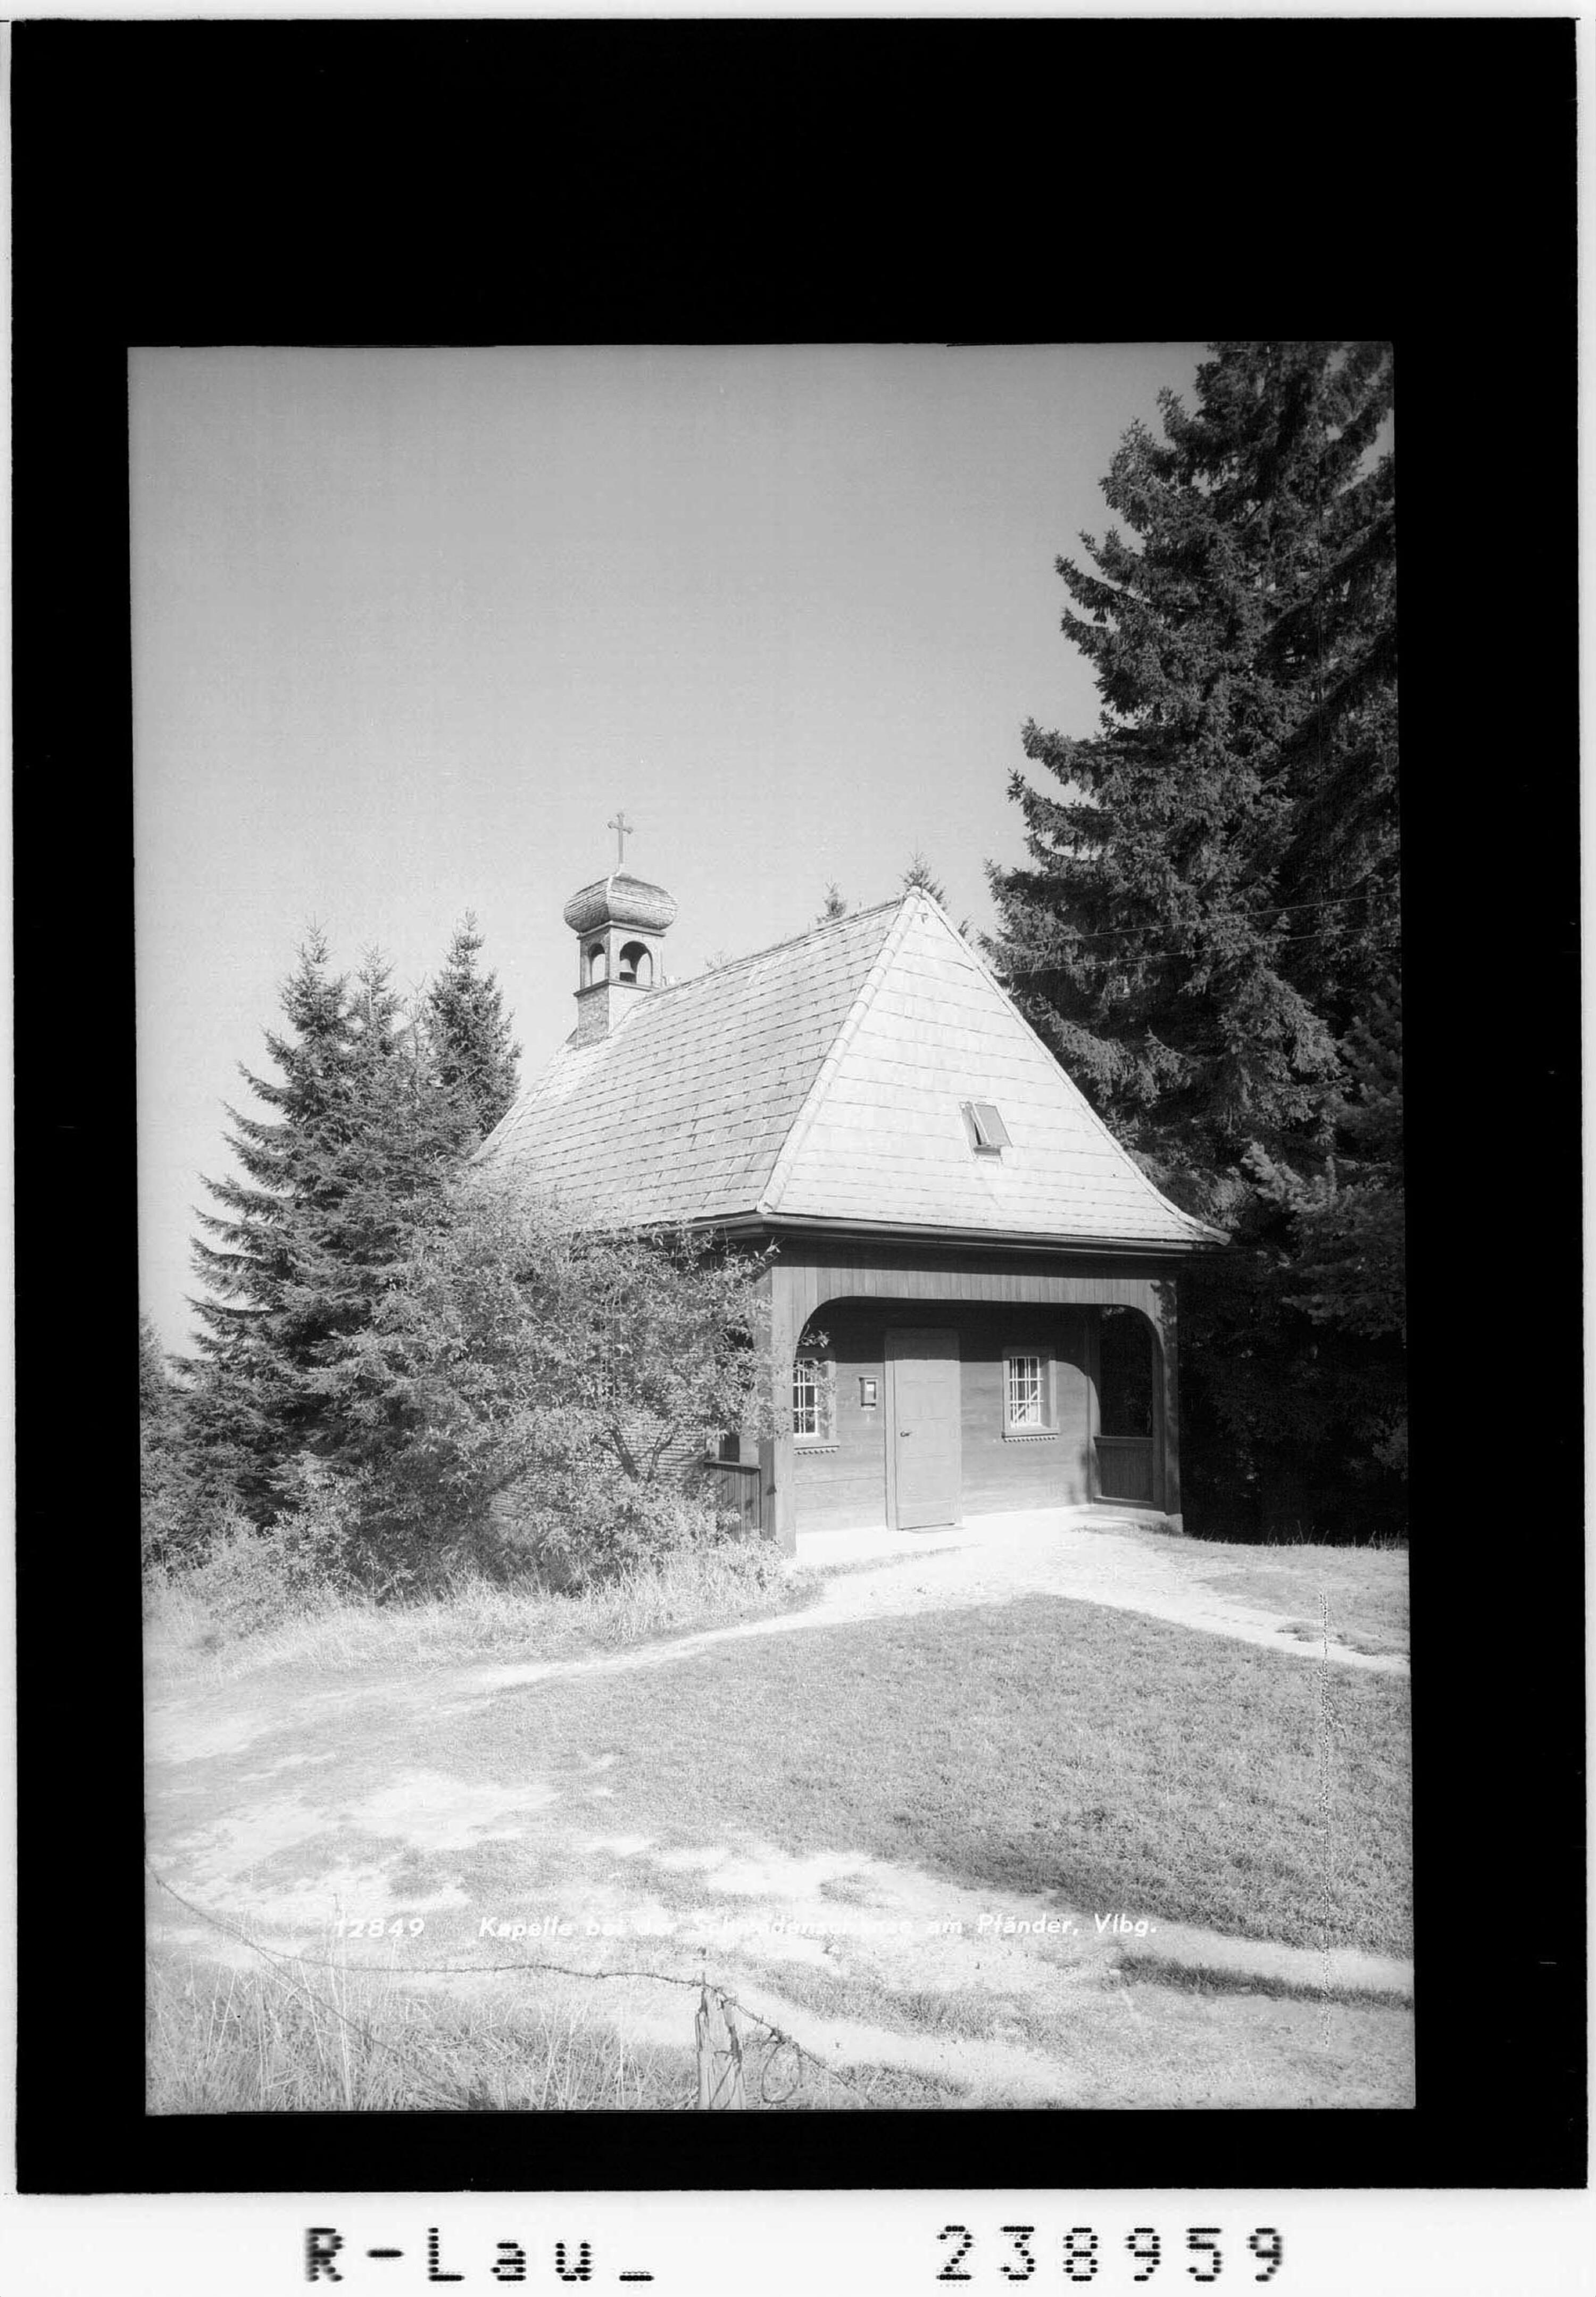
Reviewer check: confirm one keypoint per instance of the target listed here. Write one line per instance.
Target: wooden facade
(866, 1309)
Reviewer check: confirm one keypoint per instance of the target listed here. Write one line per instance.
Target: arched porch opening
(990, 1363)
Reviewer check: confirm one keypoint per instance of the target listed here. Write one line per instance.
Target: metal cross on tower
(622, 828)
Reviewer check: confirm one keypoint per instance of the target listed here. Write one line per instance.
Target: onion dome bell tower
(620, 923)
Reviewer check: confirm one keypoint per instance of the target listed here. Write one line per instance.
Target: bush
(533, 1392)
(323, 1530)
(244, 1578)
(245, 1583)
(590, 1523)
(527, 1398)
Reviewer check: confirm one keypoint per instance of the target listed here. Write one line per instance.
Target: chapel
(972, 1307)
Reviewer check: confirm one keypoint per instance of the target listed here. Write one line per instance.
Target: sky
(410, 626)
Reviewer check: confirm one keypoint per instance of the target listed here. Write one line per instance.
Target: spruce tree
(1213, 890)
(468, 1030)
(1341, 1261)
(360, 1137)
(1210, 911)
(155, 1385)
(250, 1407)
(919, 876)
(400, 1134)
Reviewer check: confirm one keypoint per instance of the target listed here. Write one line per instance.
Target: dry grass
(271, 2040)
(325, 2037)
(475, 1618)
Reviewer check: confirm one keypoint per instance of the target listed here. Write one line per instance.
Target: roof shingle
(823, 1079)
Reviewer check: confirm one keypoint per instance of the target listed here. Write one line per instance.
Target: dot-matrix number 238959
(1081, 2254)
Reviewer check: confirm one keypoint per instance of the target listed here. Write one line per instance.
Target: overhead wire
(522, 1966)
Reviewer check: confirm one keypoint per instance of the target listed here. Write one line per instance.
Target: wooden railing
(1127, 1469)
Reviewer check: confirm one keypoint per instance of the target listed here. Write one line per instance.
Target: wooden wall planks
(853, 1294)
(843, 1485)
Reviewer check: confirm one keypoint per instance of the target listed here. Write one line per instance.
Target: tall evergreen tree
(476, 1061)
(249, 1408)
(1210, 904)
(1213, 894)
(359, 1139)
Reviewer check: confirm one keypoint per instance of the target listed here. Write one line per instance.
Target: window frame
(823, 1388)
(986, 1140)
(1030, 1432)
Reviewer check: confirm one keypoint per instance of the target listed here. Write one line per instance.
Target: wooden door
(926, 1414)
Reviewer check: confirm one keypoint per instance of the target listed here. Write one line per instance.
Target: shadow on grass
(1183, 1977)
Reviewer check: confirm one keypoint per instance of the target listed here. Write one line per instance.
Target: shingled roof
(825, 1079)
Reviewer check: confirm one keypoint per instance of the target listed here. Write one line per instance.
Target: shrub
(534, 1391)
(245, 1582)
(323, 1530)
(244, 1577)
(527, 1396)
(588, 1521)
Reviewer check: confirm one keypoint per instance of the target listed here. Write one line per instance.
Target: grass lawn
(1042, 1755)
(1366, 1588)
(1043, 1748)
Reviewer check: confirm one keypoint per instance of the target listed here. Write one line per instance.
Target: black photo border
(194, 182)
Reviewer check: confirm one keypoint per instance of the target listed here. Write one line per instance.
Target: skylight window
(986, 1127)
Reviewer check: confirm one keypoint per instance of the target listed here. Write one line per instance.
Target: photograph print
(772, 1392)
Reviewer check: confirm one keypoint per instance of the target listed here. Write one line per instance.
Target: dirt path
(1009, 1556)
(289, 1802)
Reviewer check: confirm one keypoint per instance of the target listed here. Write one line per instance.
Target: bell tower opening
(621, 923)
